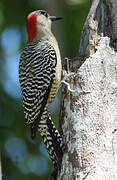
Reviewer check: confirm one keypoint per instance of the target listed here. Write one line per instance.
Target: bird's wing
(36, 73)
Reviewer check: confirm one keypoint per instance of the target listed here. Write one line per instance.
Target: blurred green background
(21, 157)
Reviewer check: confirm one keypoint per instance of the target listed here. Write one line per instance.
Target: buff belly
(56, 82)
(53, 91)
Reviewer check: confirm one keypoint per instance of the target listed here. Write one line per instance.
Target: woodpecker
(40, 75)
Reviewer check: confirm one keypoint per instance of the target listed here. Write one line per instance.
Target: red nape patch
(31, 26)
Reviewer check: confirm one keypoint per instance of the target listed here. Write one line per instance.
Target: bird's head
(38, 24)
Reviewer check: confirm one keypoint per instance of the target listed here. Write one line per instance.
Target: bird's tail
(52, 139)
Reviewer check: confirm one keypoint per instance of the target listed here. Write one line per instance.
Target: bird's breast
(57, 78)
(56, 82)
(53, 91)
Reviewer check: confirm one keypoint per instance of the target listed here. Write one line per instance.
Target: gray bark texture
(89, 100)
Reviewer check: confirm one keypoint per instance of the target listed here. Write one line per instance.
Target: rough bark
(105, 12)
(89, 113)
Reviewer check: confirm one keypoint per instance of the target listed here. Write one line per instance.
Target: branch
(105, 13)
(89, 115)
(90, 118)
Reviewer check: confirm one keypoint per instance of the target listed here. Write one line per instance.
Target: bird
(39, 75)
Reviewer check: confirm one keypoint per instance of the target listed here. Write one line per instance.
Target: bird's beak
(55, 18)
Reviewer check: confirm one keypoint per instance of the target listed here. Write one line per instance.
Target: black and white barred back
(36, 74)
(37, 71)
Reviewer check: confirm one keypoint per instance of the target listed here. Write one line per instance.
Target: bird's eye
(44, 13)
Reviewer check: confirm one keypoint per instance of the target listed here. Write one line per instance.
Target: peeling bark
(89, 113)
(105, 12)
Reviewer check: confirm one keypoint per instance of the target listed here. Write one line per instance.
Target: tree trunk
(89, 105)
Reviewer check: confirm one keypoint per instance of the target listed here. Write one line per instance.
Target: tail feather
(34, 127)
(52, 139)
(56, 141)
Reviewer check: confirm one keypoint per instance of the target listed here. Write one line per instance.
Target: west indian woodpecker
(40, 75)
